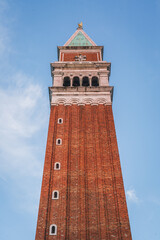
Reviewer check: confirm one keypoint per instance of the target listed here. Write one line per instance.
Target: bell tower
(82, 194)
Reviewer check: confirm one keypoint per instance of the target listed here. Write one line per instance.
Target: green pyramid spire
(80, 40)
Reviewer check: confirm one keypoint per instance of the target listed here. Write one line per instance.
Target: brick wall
(92, 202)
(89, 56)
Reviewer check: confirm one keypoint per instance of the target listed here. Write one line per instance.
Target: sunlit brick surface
(91, 202)
(89, 56)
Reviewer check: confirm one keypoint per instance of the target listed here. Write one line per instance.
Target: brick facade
(92, 203)
(95, 56)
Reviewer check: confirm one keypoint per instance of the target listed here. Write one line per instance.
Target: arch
(66, 82)
(76, 81)
(85, 81)
(88, 100)
(55, 194)
(74, 100)
(61, 101)
(95, 81)
(53, 229)
(60, 120)
(57, 166)
(58, 141)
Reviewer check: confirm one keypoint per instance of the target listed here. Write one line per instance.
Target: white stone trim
(80, 101)
(60, 56)
(101, 56)
(60, 119)
(91, 50)
(57, 140)
(50, 229)
(56, 164)
(80, 97)
(57, 194)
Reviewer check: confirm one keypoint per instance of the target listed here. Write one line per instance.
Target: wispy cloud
(20, 118)
(23, 117)
(131, 195)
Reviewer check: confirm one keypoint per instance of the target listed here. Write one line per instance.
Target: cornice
(84, 64)
(79, 47)
(81, 95)
(82, 89)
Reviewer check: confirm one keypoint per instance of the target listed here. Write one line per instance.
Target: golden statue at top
(80, 25)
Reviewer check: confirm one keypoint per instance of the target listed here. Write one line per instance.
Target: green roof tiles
(80, 40)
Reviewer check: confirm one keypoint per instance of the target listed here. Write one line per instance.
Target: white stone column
(71, 83)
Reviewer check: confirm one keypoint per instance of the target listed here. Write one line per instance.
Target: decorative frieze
(81, 95)
(80, 101)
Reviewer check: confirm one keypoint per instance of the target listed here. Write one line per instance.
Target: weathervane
(80, 25)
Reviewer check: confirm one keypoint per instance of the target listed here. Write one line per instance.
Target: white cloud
(19, 108)
(24, 116)
(131, 195)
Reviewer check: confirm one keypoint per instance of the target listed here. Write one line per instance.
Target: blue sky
(30, 32)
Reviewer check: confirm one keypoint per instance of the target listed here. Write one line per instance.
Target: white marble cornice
(80, 95)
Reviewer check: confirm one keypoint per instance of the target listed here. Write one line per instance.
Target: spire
(80, 38)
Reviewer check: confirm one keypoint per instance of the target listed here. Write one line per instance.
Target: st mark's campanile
(82, 194)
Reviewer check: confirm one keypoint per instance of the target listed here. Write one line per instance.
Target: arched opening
(57, 166)
(66, 81)
(76, 82)
(85, 81)
(60, 120)
(53, 229)
(59, 141)
(55, 195)
(95, 81)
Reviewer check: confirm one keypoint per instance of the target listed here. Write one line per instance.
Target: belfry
(82, 194)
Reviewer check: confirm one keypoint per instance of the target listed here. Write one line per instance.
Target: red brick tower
(82, 195)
